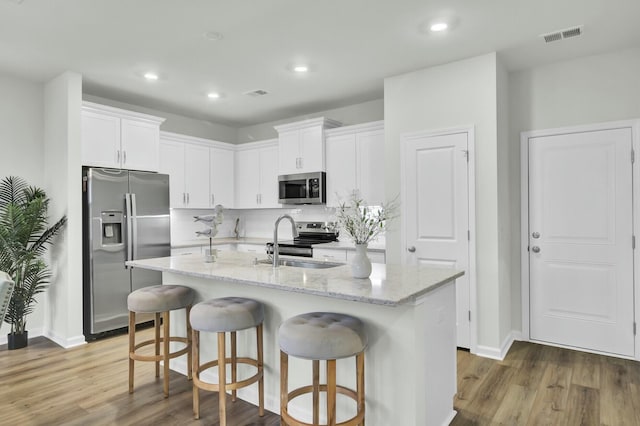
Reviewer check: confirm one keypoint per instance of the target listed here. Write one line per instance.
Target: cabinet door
(371, 166)
(140, 143)
(172, 163)
(269, 177)
(311, 150)
(196, 176)
(247, 172)
(221, 163)
(288, 152)
(100, 140)
(341, 168)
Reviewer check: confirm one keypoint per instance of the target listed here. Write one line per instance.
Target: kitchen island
(409, 313)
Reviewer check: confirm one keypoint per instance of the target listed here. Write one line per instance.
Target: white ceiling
(350, 45)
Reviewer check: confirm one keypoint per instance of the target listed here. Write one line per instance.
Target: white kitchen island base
(409, 314)
(410, 361)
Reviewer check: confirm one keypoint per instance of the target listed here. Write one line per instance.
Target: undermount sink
(302, 263)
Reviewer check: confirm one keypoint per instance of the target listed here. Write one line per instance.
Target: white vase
(361, 265)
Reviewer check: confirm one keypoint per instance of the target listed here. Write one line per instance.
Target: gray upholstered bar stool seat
(322, 336)
(221, 316)
(159, 300)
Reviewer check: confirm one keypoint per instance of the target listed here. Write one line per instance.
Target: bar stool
(159, 300)
(226, 315)
(322, 336)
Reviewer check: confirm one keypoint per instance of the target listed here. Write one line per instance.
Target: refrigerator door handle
(134, 223)
(129, 213)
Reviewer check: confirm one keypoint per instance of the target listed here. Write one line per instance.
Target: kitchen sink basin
(302, 263)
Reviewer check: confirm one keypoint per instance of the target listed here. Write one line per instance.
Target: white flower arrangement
(364, 223)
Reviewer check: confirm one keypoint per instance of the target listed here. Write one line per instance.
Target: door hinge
(84, 183)
(465, 152)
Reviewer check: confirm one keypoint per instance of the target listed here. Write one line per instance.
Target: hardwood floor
(47, 385)
(544, 385)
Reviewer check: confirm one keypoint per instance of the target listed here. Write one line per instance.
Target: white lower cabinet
(258, 249)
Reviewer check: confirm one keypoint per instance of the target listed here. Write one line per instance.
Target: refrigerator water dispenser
(111, 227)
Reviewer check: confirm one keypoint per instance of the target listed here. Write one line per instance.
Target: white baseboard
(501, 352)
(66, 343)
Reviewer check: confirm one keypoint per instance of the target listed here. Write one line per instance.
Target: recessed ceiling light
(301, 68)
(213, 36)
(438, 26)
(213, 95)
(151, 76)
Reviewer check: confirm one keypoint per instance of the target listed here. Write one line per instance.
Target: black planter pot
(17, 341)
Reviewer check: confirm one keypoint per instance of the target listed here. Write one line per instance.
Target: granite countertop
(390, 285)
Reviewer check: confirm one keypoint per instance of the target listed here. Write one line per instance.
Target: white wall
(21, 145)
(62, 169)
(458, 94)
(176, 123)
(593, 89)
(352, 114)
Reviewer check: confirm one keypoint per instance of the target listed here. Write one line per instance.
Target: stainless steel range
(309, 234)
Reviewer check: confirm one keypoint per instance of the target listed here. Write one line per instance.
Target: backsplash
(254, 223)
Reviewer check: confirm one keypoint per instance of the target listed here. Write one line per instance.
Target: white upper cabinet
(355, 162)
(257, 175)
(221, 163)
(200, 170)
(301, 145)
(116, 138)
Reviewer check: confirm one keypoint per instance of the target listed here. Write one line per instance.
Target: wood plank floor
(535, 385)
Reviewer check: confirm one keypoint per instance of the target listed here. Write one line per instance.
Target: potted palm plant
(24, 238)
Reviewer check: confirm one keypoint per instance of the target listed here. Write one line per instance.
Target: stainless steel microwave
(303, 188)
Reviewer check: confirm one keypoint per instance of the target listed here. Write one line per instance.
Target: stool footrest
(215, 387)
(160, 357)
(290, 421)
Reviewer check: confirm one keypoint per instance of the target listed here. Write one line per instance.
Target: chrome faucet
(294, 231)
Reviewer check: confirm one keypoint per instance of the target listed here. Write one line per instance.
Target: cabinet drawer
(332, 255)
(374, 256)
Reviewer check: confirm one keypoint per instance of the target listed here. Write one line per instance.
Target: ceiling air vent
(256, 93)
(562, 34)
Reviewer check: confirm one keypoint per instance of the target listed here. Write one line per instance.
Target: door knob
(411, 249)
(535, 249)
(536, 235)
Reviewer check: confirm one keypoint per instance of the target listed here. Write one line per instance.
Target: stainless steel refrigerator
(125, 216)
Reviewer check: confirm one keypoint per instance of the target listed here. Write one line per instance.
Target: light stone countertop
(389, 285)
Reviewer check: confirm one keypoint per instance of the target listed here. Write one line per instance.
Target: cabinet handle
(301, 165)
(257, 198)
(187, 198)
(411, 249)
(118, 156)
(184, 198)
(124, 157)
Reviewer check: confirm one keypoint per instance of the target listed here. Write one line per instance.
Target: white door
(139, 144)
(436, 203)
(580, 240)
